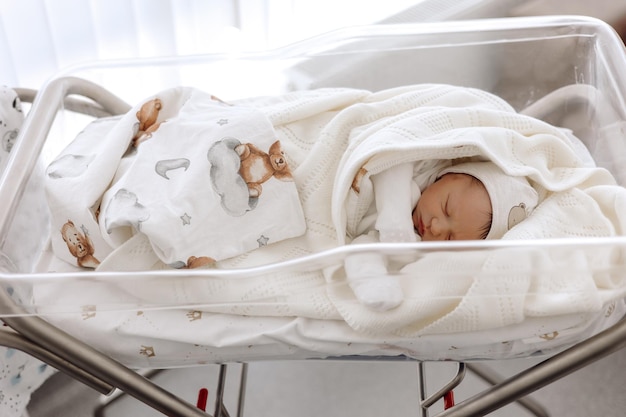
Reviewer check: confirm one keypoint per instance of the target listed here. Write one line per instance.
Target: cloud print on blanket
(182, 186)
(163, 167)
(238, 171)
(125, 210)
(226, 180)
(69, 166)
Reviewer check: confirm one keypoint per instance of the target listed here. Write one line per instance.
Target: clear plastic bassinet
(565, 70)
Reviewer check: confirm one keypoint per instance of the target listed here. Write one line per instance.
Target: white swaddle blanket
(334, 137)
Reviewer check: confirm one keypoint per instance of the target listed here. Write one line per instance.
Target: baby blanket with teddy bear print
(202, 179)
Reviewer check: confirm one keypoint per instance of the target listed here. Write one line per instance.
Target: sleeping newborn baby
(429, 201)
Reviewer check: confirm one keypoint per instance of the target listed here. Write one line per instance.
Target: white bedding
(512, 300)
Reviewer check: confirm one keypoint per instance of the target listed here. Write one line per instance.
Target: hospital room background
(39, 38)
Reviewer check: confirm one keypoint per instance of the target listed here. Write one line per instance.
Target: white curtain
(39, 37)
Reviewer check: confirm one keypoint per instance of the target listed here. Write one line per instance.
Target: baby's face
(455, 207)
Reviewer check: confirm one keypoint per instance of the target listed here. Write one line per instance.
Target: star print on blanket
(202, 179)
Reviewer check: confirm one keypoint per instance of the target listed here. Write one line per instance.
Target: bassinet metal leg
(220, 408)
(427, 402)
(109, 400)
(10, 339)
(243, 382)
(488, 376)
(540, 375)
(421, 371)
(492, 378)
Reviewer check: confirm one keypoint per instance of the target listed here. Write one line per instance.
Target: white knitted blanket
(332, 137)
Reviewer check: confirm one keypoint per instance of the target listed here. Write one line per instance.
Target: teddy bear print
(516, 215)
(194, 262)
(8, 140)
(198, 262)
(356, 182)
(238, 169)
(79, 244)
(258, 166)
(219, 100)
(11, 117)
(147, 117)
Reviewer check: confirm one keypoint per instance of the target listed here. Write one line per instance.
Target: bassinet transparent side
(563, 69)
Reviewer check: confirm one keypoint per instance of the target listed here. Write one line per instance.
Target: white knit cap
(512, 198)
